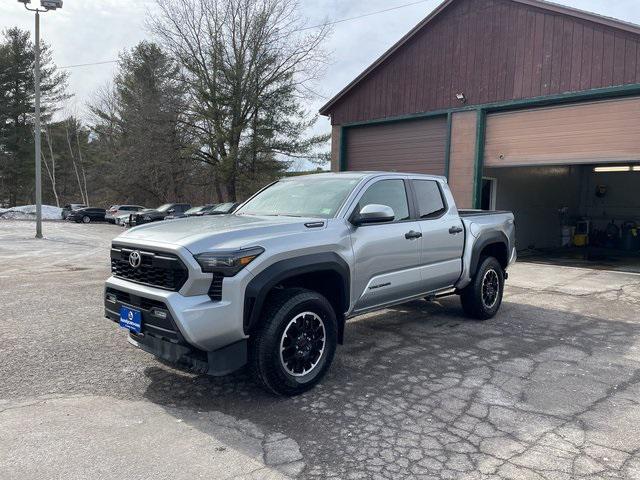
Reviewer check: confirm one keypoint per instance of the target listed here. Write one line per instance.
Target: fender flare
(483, 240)
(260, 286)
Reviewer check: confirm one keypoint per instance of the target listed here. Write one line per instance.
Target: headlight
(227, 263)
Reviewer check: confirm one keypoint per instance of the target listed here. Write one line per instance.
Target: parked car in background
(67, 209)
(192, 212)
(156, 214)
(117, 210)
(87, 215)
(222, 208)
(122, 220)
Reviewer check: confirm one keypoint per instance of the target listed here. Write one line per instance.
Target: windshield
(301, 197)
(165, 207)
(194, 209)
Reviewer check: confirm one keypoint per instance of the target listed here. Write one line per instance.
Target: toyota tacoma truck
(273, 284)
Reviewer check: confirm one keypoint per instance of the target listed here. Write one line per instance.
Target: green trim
(342, 153)
(447, 151)
(558, 99)
(595, 94)
(479, 160)
(572, 97)
(400, 118)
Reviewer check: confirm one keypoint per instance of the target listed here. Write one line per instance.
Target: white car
(122, 220)
(118, 210)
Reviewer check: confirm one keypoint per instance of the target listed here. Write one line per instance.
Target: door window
(390, 193)
(430, 201)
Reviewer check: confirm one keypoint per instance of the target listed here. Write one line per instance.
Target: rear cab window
(429, 199)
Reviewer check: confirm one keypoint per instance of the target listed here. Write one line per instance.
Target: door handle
(411, 235)
(454, 230)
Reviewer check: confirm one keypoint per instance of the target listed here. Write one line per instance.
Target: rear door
(387, 262)
(442, 241)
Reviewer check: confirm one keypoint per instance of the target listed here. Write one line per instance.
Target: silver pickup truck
(273, 283)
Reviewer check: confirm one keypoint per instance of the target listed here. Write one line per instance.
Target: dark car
(156, 214)
(87, 215)
(192, 212)
(222, 209)
(70, 207)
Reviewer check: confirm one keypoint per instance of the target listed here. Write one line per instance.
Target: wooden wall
(462, 157)
(492, 50)
(603, 132)
(415, 146)
(335, 148)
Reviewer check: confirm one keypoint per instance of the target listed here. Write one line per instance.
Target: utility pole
(46, 5)
(38, 134)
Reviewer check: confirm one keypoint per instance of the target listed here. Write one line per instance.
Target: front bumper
(197, 320)
(191, 332)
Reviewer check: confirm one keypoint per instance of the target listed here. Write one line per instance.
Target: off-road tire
(471, 297)
(265, 362)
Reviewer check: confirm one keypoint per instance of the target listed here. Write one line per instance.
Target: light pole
(46, 6)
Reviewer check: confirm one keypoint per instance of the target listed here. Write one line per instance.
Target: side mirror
(373, 213)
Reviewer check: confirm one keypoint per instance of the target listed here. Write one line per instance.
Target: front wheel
(294, 347)
(86, 219)
(481, 299)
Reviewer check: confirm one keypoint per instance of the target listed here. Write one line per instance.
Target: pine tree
(17, 105)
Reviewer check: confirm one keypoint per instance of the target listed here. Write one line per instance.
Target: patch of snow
(28, 212)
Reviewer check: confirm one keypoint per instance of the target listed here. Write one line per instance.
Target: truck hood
(210, 232)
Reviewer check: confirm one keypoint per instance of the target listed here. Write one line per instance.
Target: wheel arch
(325, 273)
(493, 244)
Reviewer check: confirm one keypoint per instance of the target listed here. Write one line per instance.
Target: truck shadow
(418, 389)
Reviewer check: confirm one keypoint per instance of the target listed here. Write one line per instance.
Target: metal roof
(543, 4)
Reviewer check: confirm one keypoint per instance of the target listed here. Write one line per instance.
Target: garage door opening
(575, 215)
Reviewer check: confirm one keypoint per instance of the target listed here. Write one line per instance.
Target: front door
(387, 258)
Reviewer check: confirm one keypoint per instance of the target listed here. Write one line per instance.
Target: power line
(89, 64)
(299, 30)
(363, 15)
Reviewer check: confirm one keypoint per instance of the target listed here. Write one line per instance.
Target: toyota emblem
(135, 259)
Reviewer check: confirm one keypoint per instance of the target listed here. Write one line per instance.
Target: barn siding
(462, 157)
(492, 50)
(336, 140)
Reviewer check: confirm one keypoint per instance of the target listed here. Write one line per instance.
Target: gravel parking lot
(550, 388)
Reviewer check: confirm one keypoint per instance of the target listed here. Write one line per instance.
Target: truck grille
(156, 269)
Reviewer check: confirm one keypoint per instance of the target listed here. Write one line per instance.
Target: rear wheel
(294, 347)
(481, 299)
(86, 219)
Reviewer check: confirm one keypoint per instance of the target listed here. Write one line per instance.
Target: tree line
(209, 109)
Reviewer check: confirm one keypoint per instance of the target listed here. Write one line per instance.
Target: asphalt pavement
(548, 389)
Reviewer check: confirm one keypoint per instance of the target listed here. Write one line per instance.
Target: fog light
(111, 298)
(159, 313)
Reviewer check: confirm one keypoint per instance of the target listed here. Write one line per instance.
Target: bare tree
(51, 171)
(246, 65)
(73, 160)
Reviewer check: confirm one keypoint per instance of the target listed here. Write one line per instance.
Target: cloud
(87, 31)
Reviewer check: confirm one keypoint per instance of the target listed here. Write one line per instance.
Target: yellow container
(580, 239)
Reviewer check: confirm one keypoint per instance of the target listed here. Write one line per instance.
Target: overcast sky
(86, 31)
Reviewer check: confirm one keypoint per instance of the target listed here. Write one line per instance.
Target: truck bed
(478, 213)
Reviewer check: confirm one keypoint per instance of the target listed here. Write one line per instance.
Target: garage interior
(571, 175)
(554, 204)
